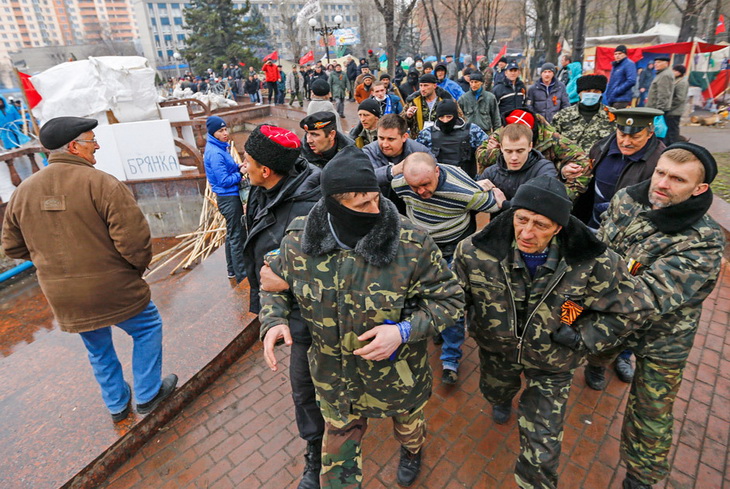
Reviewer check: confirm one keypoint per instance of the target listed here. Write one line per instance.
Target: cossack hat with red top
(521, 117)
(274, 147)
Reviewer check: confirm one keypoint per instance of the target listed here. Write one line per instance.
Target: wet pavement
(240, 433)
(54, 422)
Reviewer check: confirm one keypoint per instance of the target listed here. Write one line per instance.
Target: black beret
(371, 106)
(705, 157)
(428, 78)
(319, 120)
(320, 87)
(383, 76)
(591, 82)
(350, 170)
(60, 131)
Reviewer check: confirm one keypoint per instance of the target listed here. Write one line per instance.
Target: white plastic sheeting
(88, 88)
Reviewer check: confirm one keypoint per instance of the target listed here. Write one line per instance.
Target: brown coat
(361, 93)
(88, 239)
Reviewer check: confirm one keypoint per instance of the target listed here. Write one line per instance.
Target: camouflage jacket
(343, 293)
(553, 146)
(423, 113)
(679, 265)
(510, 313)
(571, 124)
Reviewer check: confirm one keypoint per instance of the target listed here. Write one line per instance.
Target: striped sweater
(447, 214)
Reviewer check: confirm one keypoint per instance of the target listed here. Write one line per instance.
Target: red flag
(241, 63)
(273, 56)
(720, 25)
(501, 53)
(34, 98)
(307, 58)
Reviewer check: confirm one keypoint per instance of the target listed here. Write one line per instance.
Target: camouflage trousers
(541, 413)
(646, 434)
(341, 446)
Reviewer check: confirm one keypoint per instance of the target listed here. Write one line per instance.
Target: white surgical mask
(589, 98)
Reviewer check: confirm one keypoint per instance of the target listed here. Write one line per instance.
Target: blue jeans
(146, 331)
(453, 337)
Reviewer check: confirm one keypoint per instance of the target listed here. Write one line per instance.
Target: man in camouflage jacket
(541, 292)
(662, 229)
(372, 287)
(572, 163)
(586, 122)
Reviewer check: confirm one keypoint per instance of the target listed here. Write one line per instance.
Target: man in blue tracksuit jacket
(224, 176)
(619, 91)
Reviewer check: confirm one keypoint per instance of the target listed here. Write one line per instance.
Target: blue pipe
(15, 270)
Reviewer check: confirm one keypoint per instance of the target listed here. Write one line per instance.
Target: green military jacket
(554, 147)
(483, 112)
(338, 84)
(571, 124)
(661, 90)
(344, 293)
(582, 282)
(677, 253)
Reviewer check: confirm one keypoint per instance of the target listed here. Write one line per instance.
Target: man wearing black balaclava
(452, 140)
(372, 287)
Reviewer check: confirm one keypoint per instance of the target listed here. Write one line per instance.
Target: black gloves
(567, 336)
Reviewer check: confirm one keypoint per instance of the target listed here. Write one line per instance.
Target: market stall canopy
(660, 33)
(683, 48)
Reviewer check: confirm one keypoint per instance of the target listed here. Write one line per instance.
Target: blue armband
(404, 327)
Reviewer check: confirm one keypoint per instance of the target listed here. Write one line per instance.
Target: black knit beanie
(349, 171)
(705, 157)
(546, 196)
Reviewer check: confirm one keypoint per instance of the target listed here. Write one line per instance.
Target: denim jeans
(453, 337)
(146, 331)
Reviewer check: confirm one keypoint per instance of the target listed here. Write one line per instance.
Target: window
(153, 21)
(164, 21)
(175, 5)
(181, 37)
(178, 21)
(159, 54)
(162, 6)
(168, 38)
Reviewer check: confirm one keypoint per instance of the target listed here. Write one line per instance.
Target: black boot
(624, 370)
(595, 377)
(312, 465)
(631, 483)
(501, 413)
(408, 467)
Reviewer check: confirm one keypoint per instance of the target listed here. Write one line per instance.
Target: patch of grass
(721, 184)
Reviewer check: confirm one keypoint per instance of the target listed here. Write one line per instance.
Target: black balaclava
(447, 107)
(349, 171)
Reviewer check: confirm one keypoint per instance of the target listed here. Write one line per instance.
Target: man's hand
(397, 169)
(411, 111)
(270, 281)
(272, 336)
(571, 171)
(492, 143)
(486, 184)
(498, 196)
(567, 336)
(386, 340)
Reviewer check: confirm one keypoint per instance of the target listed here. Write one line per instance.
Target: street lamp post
(325, 31)
(177, 57)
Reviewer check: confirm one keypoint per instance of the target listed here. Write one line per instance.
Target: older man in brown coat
(90, 243)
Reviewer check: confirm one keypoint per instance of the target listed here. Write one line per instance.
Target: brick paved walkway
(240, 432)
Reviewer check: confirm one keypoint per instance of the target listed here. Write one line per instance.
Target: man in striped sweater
(444, 200)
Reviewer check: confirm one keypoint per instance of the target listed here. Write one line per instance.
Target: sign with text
(346, 36)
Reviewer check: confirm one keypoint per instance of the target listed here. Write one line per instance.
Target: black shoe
(624, 370)
(595, 377)
(631, 483)
(119, 417)
(438, 340)
(408, 467)
(501, 413)
(449, 376)
(168, 386)
(312, 465)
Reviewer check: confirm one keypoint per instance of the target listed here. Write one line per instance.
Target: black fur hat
(591, 82)
(274, 147)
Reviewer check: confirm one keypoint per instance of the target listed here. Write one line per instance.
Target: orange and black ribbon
(570, 311)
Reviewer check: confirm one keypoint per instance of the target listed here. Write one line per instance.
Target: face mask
(589, 99)
(446, 127)
(350, 226)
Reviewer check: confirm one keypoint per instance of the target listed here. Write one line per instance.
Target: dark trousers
(672, 129)
(271, 86)
(232, 209)
(341, 106)
(306, 411)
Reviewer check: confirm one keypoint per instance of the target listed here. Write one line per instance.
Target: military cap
(318, 120)
(512, 65)
(60, 131)
(428, 78)
(633, 120)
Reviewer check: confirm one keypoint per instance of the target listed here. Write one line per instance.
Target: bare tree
(462, 12)
(690, 14)
(484, 25)
(393, 32)
(432, 20)
(294, 33)
(547, 13)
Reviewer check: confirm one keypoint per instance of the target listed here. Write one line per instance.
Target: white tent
(88, 88)
(659, 34)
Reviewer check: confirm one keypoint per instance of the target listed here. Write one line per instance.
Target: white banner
(310, 9)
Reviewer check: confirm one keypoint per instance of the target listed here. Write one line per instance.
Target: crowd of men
(359, 248)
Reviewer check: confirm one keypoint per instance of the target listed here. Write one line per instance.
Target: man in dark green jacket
(372, 287)
(541, 292)
(662, 229)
